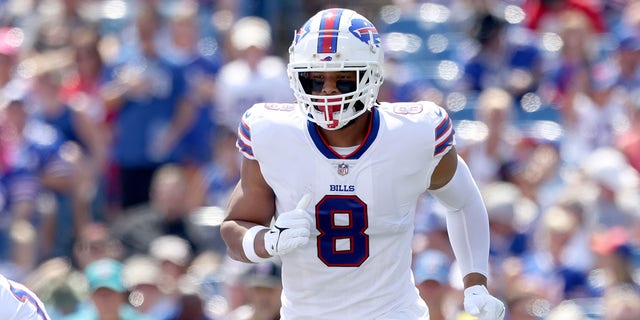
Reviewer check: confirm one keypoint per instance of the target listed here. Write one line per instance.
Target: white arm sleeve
(467, 220)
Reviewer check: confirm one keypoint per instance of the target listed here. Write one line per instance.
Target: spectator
(10, 43)
(510, 216)
(544, 15)
(81, 86)
(536, 166)
(81, 89)
(203, 279)
(186, 48)
(621, 304)
(142, 276)
(32, 165)
(567, 310)
(501, 61)
(108, 297)
(153, 112)
(174, 255)
(431, 271)
(263, 287)
(570, 72)
(166, 213)
(54, 26)
(190, 303)
(545, 264)
(59, 286)
(94, 242)
(627, 62)
(596, 114)
(200, 60)
(577, 254)
(493, 144)
(615, 187)
(525, 297)
(254, 76)
(628, 142)
(222, 174)
(84, 141)
(613, 250)
(60, 280)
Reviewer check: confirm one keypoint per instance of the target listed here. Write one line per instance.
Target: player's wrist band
(247, 244)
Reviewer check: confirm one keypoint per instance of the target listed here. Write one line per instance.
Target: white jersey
(358, 262)
(17, 302)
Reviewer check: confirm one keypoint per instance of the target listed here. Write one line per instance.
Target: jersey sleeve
(244, 135)
(443, 132)
(261, 123)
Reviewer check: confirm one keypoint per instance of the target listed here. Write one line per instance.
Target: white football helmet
(336, 40)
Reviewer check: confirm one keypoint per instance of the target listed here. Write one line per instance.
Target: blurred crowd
(117, 148)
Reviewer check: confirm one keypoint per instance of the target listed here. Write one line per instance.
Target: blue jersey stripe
(326, 150)
(444, 144)
(244, 130)
(244, 147)
(442, 128)
(371, 135)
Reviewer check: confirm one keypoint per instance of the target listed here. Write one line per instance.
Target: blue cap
(105, 273)
(431, 265)
(630, 43)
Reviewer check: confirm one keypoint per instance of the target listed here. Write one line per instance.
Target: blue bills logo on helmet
(365, 31)
(302, 32)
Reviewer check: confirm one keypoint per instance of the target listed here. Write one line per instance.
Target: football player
(17, 302)
(341, 179)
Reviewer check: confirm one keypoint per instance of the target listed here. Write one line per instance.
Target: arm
(128, 81)
(251, 209)
(112, 97)
(182, 121)
(467, 221)
(93, 135)
(468, 227)
(251, 203)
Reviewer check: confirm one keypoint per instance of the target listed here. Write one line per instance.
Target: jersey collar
(327, 151)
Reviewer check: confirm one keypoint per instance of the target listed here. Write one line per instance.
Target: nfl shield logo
(343, 169)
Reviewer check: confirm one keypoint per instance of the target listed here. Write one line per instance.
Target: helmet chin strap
(335, 125)
(329, 113)
(351, 122)
(330, 123)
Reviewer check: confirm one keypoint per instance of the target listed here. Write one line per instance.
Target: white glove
(478, 302)
(291, 230)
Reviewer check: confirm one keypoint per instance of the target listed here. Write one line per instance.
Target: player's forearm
(233, 233)
(473, 279)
